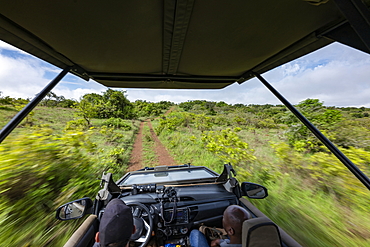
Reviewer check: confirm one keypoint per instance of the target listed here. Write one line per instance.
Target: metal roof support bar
(358, 16)
(352, 167)
(29, 107)
(138, 77)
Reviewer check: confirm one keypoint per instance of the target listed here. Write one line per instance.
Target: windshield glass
(167, 176)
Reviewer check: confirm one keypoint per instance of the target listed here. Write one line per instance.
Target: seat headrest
(260, 232)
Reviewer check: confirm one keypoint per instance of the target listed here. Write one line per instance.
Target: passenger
(116, 225)
(232, 222)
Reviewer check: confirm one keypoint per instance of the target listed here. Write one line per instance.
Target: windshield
(167, 176)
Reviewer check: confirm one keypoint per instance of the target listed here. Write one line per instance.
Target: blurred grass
(313, 217)
(43, 166)
(186, 147)
(55, 118)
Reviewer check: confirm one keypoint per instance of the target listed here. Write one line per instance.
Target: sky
(336, 75)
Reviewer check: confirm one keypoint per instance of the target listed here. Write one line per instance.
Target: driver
(232, 222)
(116, 225)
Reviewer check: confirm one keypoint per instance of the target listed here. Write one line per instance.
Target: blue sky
(336, 74)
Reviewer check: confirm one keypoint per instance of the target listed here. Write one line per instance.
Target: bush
(173, 121)
(325, 172)
(79, 124)
(323, 118)
(117, 123)
(352, 133)
(227, 145)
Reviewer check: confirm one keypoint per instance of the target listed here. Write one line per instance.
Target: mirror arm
(109, 187)
(226, 173)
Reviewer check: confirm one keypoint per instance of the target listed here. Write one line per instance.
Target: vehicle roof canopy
(183, 44)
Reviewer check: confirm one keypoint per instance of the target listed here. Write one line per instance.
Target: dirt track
(163, 157)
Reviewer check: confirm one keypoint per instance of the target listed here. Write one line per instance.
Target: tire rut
(163, 157)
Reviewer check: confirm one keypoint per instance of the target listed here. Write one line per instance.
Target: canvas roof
(183, 44)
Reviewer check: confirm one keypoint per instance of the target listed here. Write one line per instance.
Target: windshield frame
(153, 170)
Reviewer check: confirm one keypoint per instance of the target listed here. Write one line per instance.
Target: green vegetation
(312, 195)
(149, 109)
(52, 158)
(40, 170)
(59, 152)
(149, 156)
(112, 104)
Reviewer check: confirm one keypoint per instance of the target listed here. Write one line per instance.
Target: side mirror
(75, 209)
(253, 191)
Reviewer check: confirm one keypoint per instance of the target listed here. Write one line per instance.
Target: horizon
(247, 105)
(337, 75)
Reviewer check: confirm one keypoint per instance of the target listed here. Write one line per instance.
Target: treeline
(109, 104)
(114, 103)
(345, 126)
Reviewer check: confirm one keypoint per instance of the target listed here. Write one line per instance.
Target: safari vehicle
(183, 44)
(168, 202)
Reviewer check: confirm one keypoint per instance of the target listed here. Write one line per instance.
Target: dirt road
(163, 157)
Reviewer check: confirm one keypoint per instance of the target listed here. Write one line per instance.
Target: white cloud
(6, 46)
(336, 74)
(20, 77)
(290, 69)
(76, 93)
(339, 82)
(23, 76)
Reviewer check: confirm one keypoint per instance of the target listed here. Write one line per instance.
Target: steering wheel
(143, 222)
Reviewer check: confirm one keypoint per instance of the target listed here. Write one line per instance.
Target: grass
(112, 153)
(55, 118)
(311, 216)
(314, 218)
(6, 113)
(182, 145)
(114, 146)
(149, 155)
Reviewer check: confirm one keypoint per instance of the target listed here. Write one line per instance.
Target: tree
(87, 109)
(117, 105)
(324, 119)
(112, 104)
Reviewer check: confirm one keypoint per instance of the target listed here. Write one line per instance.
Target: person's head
(116, 225)
(233, 219)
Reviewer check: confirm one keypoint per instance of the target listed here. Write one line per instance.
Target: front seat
(260, 232)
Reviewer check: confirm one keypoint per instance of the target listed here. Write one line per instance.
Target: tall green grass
(186, 147)
(313, 217)
(44, 167)
(149, 155)
(296, 202)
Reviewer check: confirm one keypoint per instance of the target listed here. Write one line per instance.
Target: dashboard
(175, 211)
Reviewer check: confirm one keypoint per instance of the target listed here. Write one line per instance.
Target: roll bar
(352, 167)
(29, 107)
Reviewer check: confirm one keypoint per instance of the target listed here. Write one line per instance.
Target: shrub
(117, 123)
(79, 124)
(227, 145)
(352, 133)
